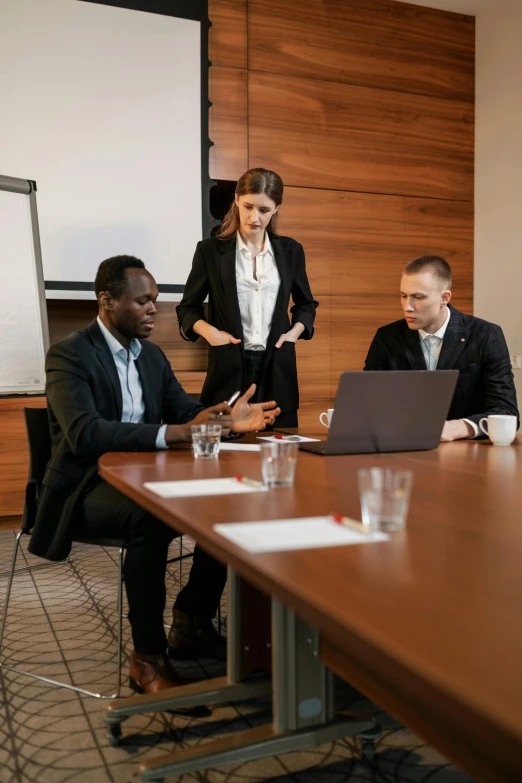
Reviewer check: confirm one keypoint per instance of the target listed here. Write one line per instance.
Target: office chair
(39, 439)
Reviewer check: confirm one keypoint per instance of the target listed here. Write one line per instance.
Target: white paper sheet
(295, 439)
(225, 446)
(191, 488)
(286, 534)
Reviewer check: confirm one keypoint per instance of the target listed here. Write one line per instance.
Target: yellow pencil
(358, 526)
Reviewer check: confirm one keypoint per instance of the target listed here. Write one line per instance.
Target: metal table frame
(302, 690)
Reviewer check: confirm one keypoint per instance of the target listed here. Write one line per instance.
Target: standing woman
(249, 274)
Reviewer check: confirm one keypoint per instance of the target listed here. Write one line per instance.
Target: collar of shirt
(115, 346)
(440, 332)
(267, 247)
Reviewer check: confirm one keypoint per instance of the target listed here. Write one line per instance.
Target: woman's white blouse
(257, 298)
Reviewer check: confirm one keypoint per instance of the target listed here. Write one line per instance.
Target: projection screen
(102, 108)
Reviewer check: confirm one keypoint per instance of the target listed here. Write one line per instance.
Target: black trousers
(107, 512)
(254, 374)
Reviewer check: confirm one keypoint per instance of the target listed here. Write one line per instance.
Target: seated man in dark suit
(435, 336)
(109, 389)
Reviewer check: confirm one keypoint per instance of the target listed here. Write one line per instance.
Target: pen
(287, 437)
(231, 401)
(340, 520)
(249, 482)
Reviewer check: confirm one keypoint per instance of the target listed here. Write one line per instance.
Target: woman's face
(255, 212)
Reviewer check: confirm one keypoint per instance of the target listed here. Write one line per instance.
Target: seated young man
(109, 389)
(435, 336)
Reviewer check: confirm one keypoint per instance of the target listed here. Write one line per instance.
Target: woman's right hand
(217, 337)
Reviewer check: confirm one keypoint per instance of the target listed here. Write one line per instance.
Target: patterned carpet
(51, 735)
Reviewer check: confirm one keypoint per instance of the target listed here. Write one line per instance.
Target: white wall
(498, 171)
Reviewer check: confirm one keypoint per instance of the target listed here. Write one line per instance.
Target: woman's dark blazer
(214, 274)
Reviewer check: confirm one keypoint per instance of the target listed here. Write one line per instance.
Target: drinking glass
(278, 461)
(385, 497)
(205, 440)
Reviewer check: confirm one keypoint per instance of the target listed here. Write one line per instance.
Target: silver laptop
(395, 410)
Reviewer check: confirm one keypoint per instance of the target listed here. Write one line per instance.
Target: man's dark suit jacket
(475, 347)
(214, 274)
(85, 407)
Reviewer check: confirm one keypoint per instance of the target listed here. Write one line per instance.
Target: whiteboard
(102, 107)
(24, 337)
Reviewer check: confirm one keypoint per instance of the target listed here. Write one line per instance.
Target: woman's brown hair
(253, 181)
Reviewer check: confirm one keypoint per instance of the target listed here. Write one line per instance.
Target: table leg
(303, 703)
(248, 651)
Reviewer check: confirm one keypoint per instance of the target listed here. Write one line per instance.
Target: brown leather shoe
(151, 673)
(192, 637)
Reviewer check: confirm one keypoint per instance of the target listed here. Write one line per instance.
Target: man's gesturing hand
(247, 417)
(181, 433)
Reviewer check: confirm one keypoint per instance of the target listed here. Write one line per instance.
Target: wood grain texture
(356, 246)
(428, 622)
(228, 125)
(12, 522)
(66, 316)
(446, 229)
(329, 135)
(228, 35)
(14, 452)
(373, 43)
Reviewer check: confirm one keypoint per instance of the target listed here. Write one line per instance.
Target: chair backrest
(39, 438)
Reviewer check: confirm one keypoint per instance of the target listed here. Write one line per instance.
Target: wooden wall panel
(313, 367)
(228, 34)
(67, 316)
(228, 123)
(357, 245)
(372, 43)
(446, 229)
(326, 135)
(14, 453)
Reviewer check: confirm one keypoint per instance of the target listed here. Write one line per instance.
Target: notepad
(282, 535)
(239, 447)
(295, 439)
(200, 487)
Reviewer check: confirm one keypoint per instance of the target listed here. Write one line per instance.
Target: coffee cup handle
(324, 423)
(482, 427)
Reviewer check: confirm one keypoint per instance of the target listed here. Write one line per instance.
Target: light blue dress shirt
(133, 407)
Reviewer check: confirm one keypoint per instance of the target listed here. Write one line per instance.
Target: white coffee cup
(501, 430)
(328, 414)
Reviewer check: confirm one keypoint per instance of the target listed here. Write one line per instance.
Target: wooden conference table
(428, 625)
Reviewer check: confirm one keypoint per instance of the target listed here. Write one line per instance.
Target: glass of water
(278, 461)
(385, 497)
(205, 440)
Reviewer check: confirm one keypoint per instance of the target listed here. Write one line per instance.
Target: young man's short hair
(435, 264)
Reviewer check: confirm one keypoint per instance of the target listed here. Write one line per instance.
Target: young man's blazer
(475, 347)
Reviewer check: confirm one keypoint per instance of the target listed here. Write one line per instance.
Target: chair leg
(120, 621)
(48, 680)
(9, 586)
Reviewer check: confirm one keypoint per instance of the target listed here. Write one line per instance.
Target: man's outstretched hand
(216, 414)
(247, 417)
(243, 417)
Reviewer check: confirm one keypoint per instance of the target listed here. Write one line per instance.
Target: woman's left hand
(292, 336)
(247, 417)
